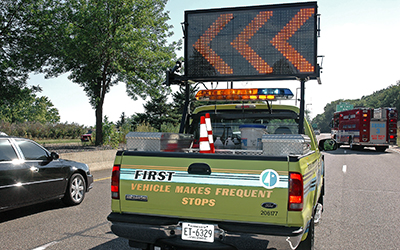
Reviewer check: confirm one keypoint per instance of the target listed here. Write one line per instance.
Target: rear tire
(308, 243)
(381, 149)
(354, 147)
(76, 190)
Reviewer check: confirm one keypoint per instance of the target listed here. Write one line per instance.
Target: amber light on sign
(240, 43)
(203, 44)
(281, 44)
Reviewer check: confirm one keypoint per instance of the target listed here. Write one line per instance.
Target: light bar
(265, 94)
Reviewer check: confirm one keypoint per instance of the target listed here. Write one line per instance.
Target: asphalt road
(52, 225)
(360, 210)
(362, 200)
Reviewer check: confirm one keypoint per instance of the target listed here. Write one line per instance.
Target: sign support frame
(302, 105)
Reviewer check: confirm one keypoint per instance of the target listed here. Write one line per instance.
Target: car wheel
(76, 189)
(308, 243)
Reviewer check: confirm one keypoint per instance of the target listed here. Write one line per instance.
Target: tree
(20, 52)
(323, 120)
(24, 106)
(389, 97)
(157, 112)
(104, 42)
(179, 99)
(122, 120)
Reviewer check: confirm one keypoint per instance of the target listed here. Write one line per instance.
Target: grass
(57, 141)
(398, 136)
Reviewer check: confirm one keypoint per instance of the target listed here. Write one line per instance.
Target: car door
(15, 176)
(48, 175)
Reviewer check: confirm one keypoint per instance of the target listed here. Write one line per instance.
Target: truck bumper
(143, 231)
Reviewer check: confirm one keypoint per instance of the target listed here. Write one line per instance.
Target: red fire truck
(365, 127)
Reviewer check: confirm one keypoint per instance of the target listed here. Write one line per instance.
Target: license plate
(197, 232)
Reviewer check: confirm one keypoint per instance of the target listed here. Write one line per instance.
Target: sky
(360, 42)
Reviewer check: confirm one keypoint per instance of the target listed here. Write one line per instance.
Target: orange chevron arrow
(240, 43)
(280, 40)
(202, 45)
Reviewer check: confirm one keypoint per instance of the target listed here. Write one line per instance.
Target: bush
(145, 127)
(169, 127)
(36, 130)
(110, 134)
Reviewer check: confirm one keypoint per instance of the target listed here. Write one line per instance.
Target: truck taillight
(115, 182)
(295, 192)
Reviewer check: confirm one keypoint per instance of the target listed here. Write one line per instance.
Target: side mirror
(327, 145)
(54, 156)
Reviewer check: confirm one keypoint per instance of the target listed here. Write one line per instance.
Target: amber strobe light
(264, 94)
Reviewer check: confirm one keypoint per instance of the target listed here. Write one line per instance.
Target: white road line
(394, 150)
(46, 246)
(344, 168)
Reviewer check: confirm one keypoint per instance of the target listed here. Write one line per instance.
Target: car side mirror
(327, 145)
(54, 156)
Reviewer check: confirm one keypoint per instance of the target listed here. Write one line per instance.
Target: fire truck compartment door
(378, 132)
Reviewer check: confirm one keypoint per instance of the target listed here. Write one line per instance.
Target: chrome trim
(16, 149)
(30, 183)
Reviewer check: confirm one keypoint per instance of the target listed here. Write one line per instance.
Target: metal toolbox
(283, 145)
(158, 141)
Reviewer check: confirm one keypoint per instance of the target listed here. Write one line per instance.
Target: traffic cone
(210, 133)
(204, 143)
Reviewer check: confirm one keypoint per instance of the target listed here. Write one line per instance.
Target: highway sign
(344, 106)
(252, 43)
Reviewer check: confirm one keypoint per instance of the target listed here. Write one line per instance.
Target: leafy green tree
(323, 120)
(157, 112)
(389, 97)
(105, 42)
(21, 52)
(122, 120)
(110, 133)
(25, 106)
(179, 99)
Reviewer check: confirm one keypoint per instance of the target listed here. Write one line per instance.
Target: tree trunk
(99, 91)
(99, 124)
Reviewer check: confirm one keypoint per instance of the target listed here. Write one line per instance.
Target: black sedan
(30, 174)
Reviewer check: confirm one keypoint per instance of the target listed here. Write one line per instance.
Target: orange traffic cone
(204, 143)
(210, 133)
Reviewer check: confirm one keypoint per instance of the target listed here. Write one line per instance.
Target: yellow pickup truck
(260, 185)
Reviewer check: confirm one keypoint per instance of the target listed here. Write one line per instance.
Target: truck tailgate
(205, 186)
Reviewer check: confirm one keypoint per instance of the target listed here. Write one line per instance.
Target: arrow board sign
(271, 42)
